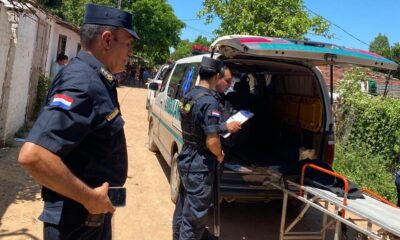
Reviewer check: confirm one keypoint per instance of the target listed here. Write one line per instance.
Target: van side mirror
(153, 86)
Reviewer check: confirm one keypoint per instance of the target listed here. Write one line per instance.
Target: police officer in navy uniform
(223, 84)
(397, 183)
(200, 122)
(77, 148)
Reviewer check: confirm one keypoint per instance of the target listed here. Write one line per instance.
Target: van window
(189, 79)
(162, 74)
(175, 79)
(165, 78)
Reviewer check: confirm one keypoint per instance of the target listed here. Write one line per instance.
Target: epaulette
(106, 74)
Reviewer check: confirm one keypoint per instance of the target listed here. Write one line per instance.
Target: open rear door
(305, 51)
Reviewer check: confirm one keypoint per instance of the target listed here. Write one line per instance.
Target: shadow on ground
(260, 221)
(16, 187)
(21, 233)
(164, 166)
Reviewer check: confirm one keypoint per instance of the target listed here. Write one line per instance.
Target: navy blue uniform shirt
(208, 115)
(81, 123)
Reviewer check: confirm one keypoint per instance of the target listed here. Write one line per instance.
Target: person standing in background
(56, 66)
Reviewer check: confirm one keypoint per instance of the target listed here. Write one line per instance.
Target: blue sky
(364, 19)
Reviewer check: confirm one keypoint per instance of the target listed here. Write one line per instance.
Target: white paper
(241, 116)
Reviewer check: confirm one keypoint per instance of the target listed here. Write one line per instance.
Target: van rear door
(306, 51)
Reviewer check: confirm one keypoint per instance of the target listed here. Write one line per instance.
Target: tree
(202, 41)
(158, 28)
(153, 20)
(395, 50)
(274, 18)
(380, 45)
(184, 47)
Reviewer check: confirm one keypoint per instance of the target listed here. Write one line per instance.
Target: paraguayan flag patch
(215, 113)
(62, 101)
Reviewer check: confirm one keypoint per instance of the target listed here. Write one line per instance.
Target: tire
(151, 144)
(174, 179)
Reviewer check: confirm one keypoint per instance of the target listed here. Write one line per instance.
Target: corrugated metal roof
(33, 6)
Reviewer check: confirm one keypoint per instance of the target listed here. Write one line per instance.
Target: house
(30, 39)
(379, 78)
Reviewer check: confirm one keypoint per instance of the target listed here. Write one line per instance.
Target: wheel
(174, 180)
(151, 144)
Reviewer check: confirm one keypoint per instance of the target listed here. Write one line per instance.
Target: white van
(157, 79)
(290, 101)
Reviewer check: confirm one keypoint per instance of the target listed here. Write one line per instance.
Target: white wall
(70, 49)
(21, 72)
(17, 53)
(5, 33)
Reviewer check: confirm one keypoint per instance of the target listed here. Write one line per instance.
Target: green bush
(41, 93)
(366, 170)
(367, 133)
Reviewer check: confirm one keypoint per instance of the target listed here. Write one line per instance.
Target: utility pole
(119, 4)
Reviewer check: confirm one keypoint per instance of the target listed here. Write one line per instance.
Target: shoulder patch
(106, 74)
(62, 101)
(215, 113)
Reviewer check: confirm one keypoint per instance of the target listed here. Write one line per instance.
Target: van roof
(298, 50)
(196, 58)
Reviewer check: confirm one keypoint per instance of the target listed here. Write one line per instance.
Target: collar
(212, 92)
(95, 64)
(203, 88)
(221, 95)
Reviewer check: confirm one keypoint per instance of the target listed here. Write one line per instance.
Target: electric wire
(345, 31)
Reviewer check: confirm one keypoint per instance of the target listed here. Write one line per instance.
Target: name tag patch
(112, 115)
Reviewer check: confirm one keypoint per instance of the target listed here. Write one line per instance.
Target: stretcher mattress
(377, 212)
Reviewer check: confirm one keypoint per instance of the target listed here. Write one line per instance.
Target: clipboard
(241, 116)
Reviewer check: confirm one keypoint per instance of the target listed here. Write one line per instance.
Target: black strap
(199, 95)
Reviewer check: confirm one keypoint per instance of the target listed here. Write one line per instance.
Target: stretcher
(373, 217)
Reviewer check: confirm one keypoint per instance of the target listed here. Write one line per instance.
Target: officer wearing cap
(397, 183)
(77, 148)
(200, 122)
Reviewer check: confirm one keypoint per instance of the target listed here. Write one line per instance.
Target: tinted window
(176, 77)
(189, 79)
(162, 73)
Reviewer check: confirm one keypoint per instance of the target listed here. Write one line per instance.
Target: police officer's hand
(99, 202)
(233, 126)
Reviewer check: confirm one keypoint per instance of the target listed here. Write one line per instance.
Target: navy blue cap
(212, 64)
(108, 16)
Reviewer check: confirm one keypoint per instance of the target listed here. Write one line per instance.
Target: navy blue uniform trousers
(194, 200)
(78, 231)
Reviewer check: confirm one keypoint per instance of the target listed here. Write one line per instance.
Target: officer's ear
(106, 38)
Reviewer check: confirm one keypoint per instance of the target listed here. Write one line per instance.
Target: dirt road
(148, 213)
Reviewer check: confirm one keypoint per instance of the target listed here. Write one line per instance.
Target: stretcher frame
(328, 204)
(334, 207)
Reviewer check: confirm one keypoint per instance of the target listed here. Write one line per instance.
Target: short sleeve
(65, 120)
(211, 117)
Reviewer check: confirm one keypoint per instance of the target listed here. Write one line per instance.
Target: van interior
(287, 126)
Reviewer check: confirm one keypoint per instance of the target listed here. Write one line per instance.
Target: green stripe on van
(177, 136)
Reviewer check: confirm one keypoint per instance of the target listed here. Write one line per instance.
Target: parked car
(157, 79)
(291, 107)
